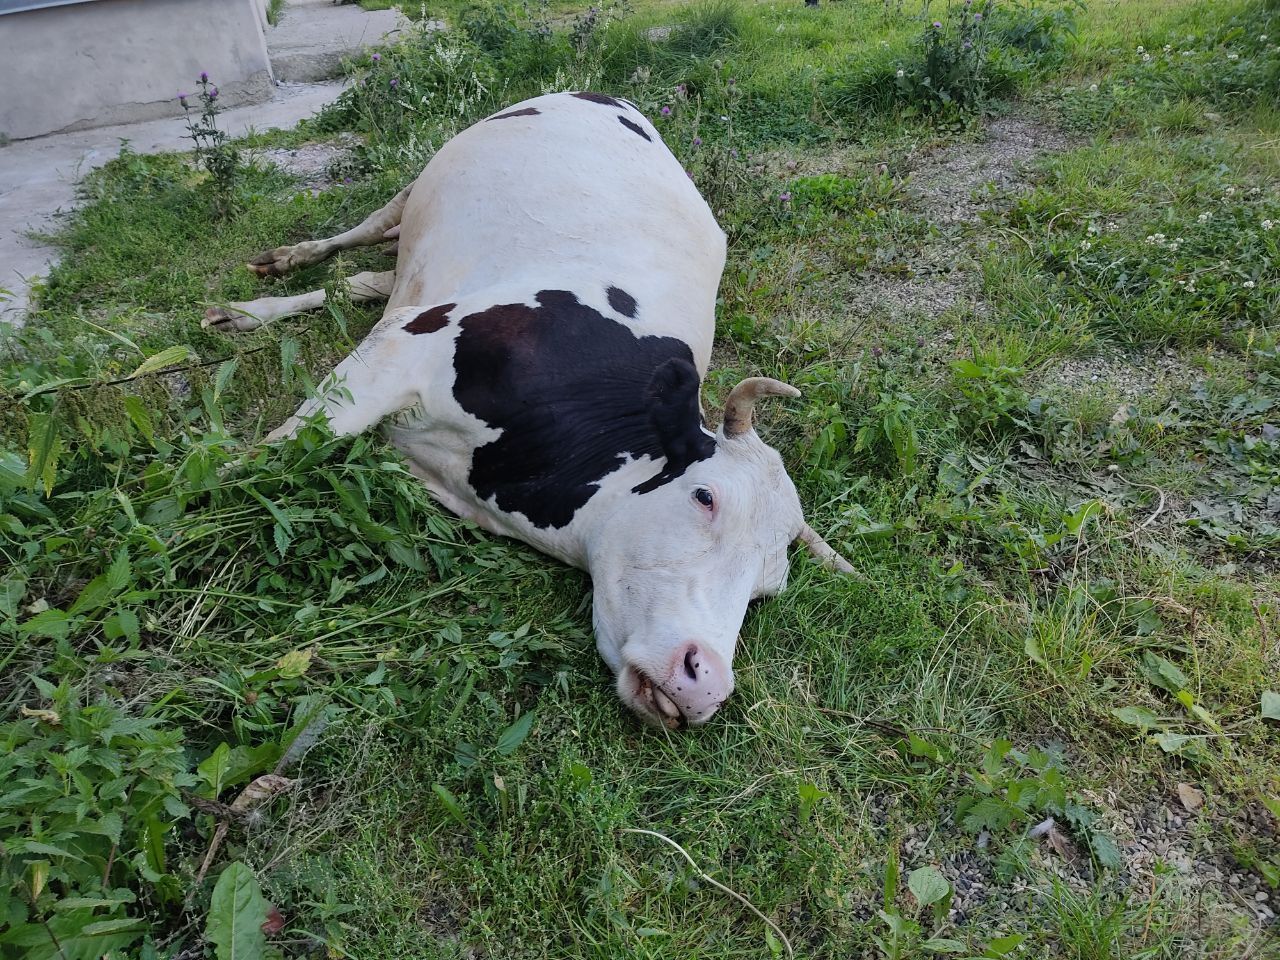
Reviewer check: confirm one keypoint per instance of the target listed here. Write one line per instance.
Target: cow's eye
(703, 496)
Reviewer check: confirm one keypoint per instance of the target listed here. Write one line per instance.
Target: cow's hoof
(228, 319)
(275, 263)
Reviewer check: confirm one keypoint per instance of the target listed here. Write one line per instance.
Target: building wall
(115, 61)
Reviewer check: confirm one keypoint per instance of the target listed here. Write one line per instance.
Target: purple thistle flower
(395, 82)
(697, 141)
(682, 90)
(734, 153)
(377, 57)
(204, 77)
(688, 173)
(937, 25)
(213, 93)
(183, 98)
(666, 111)
(785, 196)
(977, 18)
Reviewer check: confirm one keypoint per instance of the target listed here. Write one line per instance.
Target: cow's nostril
(691, 663)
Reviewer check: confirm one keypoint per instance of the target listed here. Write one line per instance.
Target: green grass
(1066, 594)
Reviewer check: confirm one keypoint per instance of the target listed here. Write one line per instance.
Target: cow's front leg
(367, 386)
(251, 314)
(380, 225)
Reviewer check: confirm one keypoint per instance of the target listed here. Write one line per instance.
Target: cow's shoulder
(576, 391)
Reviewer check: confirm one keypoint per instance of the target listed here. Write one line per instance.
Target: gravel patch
(950, 182)
(1132, 375)
(312, 163)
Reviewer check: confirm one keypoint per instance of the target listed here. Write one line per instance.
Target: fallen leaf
(1061, 844)
(47, 716)
(294, 663)
(274, 922)
(1192, 799)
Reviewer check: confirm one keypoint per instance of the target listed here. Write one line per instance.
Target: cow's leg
(381, 225)
(362, 390)
(252, 314)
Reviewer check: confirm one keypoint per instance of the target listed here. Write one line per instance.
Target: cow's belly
(569, 196)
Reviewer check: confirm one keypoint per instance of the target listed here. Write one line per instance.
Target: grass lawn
(1033, 305)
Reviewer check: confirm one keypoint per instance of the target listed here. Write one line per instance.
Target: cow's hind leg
(380, 225)
(252, 314)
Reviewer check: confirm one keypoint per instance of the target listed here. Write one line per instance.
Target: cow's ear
(676, 419)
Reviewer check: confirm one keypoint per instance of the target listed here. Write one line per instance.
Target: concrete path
(313, 37)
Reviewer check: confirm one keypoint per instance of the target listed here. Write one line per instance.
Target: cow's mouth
(660, 707)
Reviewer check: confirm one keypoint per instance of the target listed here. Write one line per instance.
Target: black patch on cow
(634, 128)
(600, 98)
(622, 301)
(429, 321)
(526, 112)
(573, 393)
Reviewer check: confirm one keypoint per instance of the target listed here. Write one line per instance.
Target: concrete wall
(115, 61)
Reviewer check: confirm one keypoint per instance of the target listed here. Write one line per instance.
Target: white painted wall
(114, 61)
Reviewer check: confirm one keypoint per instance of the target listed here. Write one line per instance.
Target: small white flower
(1231, 191)
(1168, 47)
(1233, 56)
(901, 74)
(1188, 53)
(1093, 88)
(1142, 49)
(1262, 38)
(884, 43)
(1094, 229)
(1205, 217)
(1085, 244)
(1248, 284)
(1146, 58)
(1267, 224)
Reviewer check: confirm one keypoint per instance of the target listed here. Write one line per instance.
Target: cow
(539, 364)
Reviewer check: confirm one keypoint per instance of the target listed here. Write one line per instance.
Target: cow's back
(565, 191)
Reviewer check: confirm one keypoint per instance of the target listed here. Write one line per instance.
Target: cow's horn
(823, 551)
(742, 402)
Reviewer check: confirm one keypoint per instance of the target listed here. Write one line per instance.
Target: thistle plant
(212, 145)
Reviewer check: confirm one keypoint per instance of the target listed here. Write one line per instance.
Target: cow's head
(681, 561)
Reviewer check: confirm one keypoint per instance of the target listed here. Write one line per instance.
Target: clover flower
(1085, 245)
(697, 141)
(1267, 224)
(901, 74)
(1142, 49)
(1205, 217)
(395, 82)
(1146, 58)
(1248, 284)
(666, 111)
(937, 25)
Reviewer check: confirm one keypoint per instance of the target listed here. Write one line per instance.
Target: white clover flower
(1168, 47)
(1146, 58)
(1231, 191)
(901, 74)
(1142, 49)
(1248, 284)
(1188, 53)
(1205, 217)
(1262, 38)
(1233, 56)
(1085, 244)
(1267, 224)
(1093, 88)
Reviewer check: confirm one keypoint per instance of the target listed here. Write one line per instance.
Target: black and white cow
(550, 319)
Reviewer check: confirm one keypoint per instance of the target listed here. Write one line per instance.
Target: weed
(213, 149)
